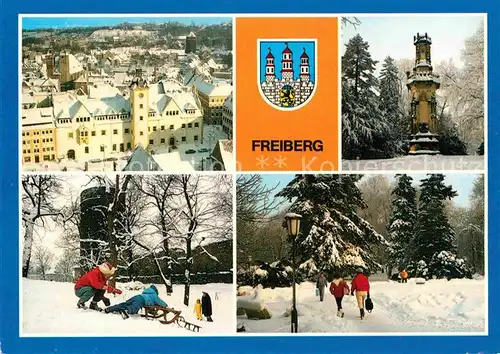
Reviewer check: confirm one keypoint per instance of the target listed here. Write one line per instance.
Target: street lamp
(293, 227)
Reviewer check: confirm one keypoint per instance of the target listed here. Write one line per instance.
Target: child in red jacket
(361, 286)
(339, 288)
(94, 284)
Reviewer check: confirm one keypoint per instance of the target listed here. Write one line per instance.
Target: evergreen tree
(433, 233)
(390, 98)
(333, 236)
(402, 221)
(364, 130)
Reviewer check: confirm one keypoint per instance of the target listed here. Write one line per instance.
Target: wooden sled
(158, 312)
(154, 312)
(188, 325)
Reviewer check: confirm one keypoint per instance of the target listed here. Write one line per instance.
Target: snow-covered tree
(402, 221)
(38, 197)
(200, 217)
(66, 263)
(390, 106)
(333, 236)
(364, 130)
(43, 259)
(159, 192)
(433, 233)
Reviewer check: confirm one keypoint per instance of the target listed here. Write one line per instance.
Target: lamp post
(293, 227)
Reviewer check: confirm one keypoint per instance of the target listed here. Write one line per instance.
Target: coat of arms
(287, 72)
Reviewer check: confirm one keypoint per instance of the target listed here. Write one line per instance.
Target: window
(122, 147)
(162, 127)
(162, 141)
(183, 139)
(86, 149)
(114, 147)
(70, 135)
(115, 131)
(172, 127)
(190, 125)
(102, 148)
(183, 126)
(196, 138)
(141, 133)
(27, 159)
(127, 130)
(196, 125)
(93, 132)
(149, 129)
(103, 132)
(154, 129)
(24, 151)
(46, 157)
(151, 142)
(141, 117)
(129, 146)
(141, 106)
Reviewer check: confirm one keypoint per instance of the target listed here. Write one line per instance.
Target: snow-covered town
(354, 253)
(113, 249)
(128, 97)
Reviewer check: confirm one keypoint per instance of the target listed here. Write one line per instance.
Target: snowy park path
(438, 306)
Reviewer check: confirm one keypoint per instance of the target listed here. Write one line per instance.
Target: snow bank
(49, 309)
(436, 306)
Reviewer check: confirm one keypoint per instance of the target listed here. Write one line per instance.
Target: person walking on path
(321, 284)
(361, 286)
(339, 288)
(404, 276)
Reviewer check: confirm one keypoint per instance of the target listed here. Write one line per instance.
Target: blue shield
(287, 72)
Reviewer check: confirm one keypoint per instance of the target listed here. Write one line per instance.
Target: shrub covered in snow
(447, 265)
(277, 274)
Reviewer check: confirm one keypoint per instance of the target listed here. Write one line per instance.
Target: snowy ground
(176, 161)
(49, 309)
(419, 162)
(437, 306)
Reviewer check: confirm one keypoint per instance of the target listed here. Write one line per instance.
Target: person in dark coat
(206, 306)
(321, 284)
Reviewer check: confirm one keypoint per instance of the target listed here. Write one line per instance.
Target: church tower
(422, 84)
(270, 75)
(139, 94)
(286, 64)
(304, 67)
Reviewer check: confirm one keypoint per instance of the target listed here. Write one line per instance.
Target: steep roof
(141, 160)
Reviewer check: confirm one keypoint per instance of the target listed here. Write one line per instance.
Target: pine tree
(433, 233)
(334, 237)
(402, 220)
(390, 103)
(363, 127)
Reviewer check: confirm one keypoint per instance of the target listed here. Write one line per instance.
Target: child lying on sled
(132, 306)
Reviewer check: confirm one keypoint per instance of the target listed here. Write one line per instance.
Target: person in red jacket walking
(361, 286)
(339, 288)
(94, 284)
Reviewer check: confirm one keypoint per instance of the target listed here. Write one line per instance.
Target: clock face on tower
(287, 96)
(141, 95)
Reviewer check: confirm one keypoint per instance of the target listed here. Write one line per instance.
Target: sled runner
(154, 312)
(188, 325)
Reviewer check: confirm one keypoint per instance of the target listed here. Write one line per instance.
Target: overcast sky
(393, 36)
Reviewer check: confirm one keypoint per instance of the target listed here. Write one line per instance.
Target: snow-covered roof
(218, 89)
